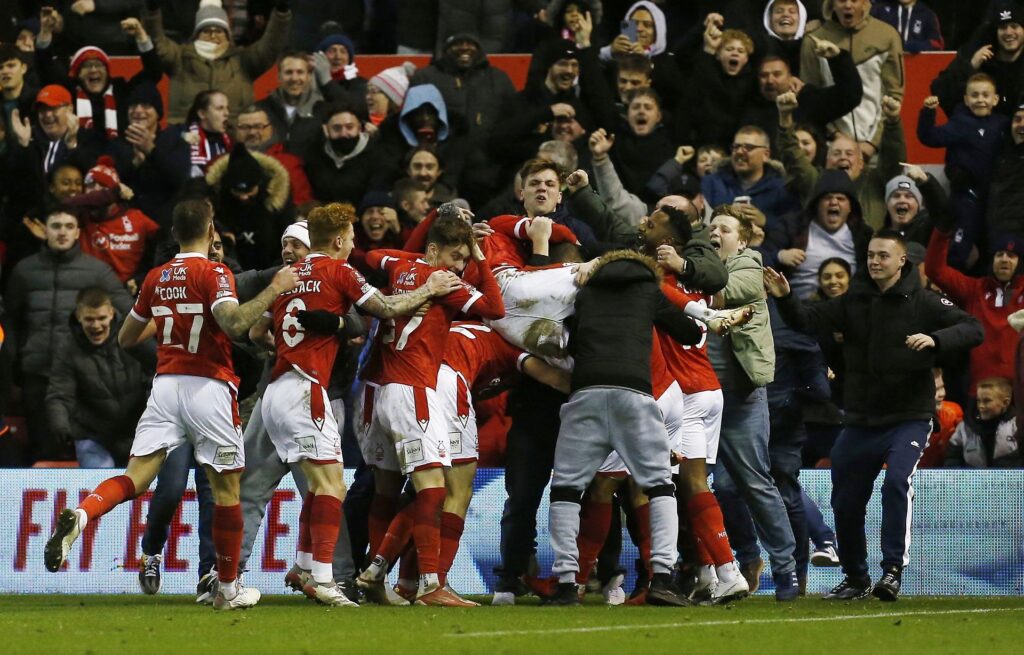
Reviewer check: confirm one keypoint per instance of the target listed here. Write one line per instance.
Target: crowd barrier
(920, 70)
(967, 536)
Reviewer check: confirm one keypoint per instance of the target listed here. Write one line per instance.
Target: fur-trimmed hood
(278, 185)
(619, 267)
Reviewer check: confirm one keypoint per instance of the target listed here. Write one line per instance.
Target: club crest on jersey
(127, 223)
(442, 449)
(100, 241)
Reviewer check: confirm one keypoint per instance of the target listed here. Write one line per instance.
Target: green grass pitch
(281, 624)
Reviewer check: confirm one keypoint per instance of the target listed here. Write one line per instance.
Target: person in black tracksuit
(892, 331)
(611, 407)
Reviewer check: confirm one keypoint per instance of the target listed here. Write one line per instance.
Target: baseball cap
(53, 95)
(686, 185)
(376, 199)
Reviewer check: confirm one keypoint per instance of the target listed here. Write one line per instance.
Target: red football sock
(324, 522)
(305, 541)
(703, 556)
(643, 529)
(382, 510)
(427, 528)
(398, 534)
(111, 493)
(409, 569)
(706, 519)
(227, 540)
(452, 526)
(595, 521)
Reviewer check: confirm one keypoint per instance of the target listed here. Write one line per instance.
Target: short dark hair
(634, 63)
(404, 188)
(423, 147)
(92, 297)
(679, 223)
(839, 261)
(639, 93)
(332, 109)
(770, 57)
(891, 235)
(190, 219)
(9, 52)
(450, 231)
(55, 209)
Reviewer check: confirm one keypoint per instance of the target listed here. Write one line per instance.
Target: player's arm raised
(440, 283)
(236, 320)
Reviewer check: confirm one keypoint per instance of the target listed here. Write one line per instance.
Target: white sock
(83, 518)
(728, 572)
(229, 589)
(323, 572)
(568, 576)
(428, 582)
(304, 560)
(378, 568)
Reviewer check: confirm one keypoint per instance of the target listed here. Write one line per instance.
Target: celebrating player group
(468, 311)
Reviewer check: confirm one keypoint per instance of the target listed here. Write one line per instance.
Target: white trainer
(327, 594)
(503, 598)
(613, 592)
(245, 598)
(731, 585)
(826, 556)
(69, 526)
(704, 588)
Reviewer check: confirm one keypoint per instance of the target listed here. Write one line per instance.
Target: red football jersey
(689, 365)
(180, 297)
(324, 283)
(409, 349)
(481, 356)
(661, 376)
(119, 241)
(510, 246)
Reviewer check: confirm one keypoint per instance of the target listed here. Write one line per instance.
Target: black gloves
(320, 321)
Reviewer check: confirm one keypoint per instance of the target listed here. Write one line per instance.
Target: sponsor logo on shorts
(307, 445)
(225, 455)
(455, 440)
(413, 450)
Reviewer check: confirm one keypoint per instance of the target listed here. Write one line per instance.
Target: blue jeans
(92, 455)
(743, 452)
(857, 459)
(170, 486)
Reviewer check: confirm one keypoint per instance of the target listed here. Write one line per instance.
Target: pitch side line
(696, 624)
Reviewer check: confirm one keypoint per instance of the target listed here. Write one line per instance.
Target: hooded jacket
(478, 94)
(257, 226)
(793, 231)
(787, 49)
(490, 19)
(887, 382)
(666, 77)
(96, 392)
(878, 54)
(967, 448)
(920, 26)
(611, 331)
(232, 73)
(416, 97)
(985, 298)
(751, 345)
(769, 194)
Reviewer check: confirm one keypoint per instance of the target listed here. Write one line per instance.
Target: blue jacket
(971, 143)
(920, 26)
(769, 194)
(417, 96)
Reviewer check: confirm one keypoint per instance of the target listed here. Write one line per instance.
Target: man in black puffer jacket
(892, 330)
(611, 408)
(97, 390)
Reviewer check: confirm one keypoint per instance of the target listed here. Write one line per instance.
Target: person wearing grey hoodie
(784, 24)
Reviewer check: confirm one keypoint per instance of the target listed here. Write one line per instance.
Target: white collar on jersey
(313, 255)
(186, 255)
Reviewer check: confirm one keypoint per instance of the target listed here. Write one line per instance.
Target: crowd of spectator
(788, 109)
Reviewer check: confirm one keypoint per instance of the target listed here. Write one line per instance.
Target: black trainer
(665, 592)
(888, 587)
(850, 589)
(567, 593)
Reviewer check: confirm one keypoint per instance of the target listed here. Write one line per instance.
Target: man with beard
(341, 166)
(291, 106)
(470, 86)
(255, 129)
(997, 54)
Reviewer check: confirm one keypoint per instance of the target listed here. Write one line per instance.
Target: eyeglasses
(746, 147)
(253, 128)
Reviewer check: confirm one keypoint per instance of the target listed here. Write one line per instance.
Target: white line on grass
(695, 624)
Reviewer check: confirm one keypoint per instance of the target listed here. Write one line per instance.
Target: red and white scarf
(202, 151)
(83, 108)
